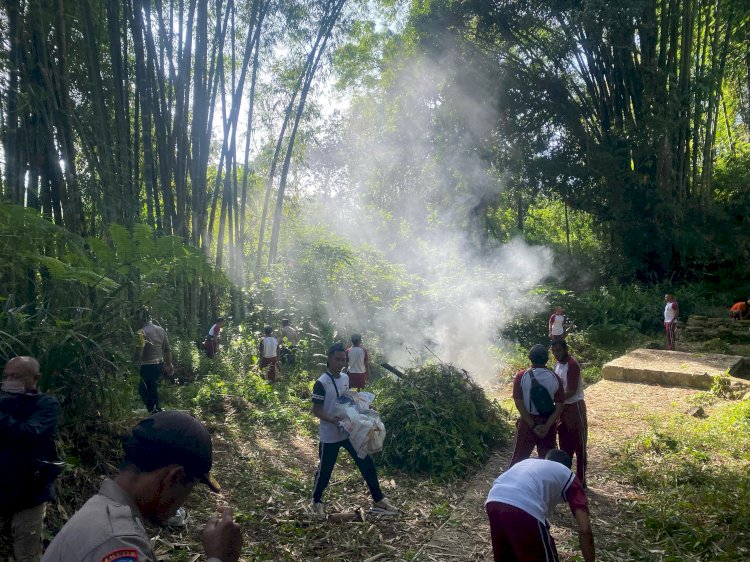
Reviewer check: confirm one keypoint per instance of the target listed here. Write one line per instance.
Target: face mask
(13, 386)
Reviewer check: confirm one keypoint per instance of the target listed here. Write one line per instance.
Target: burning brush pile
(439, 422)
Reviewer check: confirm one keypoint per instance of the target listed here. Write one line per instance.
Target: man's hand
(170, 369)
(541, 430)
(222, 538)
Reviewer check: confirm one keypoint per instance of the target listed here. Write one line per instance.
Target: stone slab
(676, 368)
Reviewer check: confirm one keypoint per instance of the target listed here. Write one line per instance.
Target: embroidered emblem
(122, 555)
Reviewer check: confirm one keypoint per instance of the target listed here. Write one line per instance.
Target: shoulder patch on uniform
(122, 555)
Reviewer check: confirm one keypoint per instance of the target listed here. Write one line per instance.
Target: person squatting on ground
(166, 455)
(28, 457)
(326, 391)
(556, 324)
(572, 428)
(154, 357)
(523, 497)
(671, 312)
(740, 310)
(268, 349)
(538, 394)
(211, 343)
(359, 363)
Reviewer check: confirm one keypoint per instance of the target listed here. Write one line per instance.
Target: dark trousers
(328, 453)
(287, 355)
(149, 386)
(669, 328)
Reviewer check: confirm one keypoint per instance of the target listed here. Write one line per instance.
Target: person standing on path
(671, 312)
(326, 391)
(268, 350)
(523, 497)
(290, 341)
(572, 428)
(538, 394)
(211, 343)
(166, 455)
(556, 324)
(154, 357)
(359, 363)
(28, 457)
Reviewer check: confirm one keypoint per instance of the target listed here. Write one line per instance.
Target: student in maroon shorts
(268, 349)
(359, 363)
(535, 429)
(572, 428)
(520, 501)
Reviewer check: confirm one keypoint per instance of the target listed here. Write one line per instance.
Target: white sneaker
(384, 507)
(317, 508)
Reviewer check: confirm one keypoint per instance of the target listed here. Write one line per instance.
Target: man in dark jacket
(28, 419)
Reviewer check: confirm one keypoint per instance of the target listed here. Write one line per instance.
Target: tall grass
(693, 478)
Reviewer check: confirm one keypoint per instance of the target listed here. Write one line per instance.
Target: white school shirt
(326, 391)
(534, 485)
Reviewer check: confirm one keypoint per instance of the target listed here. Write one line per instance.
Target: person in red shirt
(740, 310)
(572, 428)
(536, 428)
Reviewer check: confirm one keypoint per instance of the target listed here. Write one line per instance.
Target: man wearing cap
(536, 428)
(154, 357)
(166, 455)
(28, 420)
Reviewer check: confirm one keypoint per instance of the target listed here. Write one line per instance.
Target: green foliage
(438, 422)
(71, 302)
(695, 508)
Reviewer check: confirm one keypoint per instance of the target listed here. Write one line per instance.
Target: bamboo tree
(328, 22)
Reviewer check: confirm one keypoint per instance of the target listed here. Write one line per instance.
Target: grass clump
(439, 422)
(693, 478)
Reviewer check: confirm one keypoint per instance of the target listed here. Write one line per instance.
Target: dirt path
(617, 412)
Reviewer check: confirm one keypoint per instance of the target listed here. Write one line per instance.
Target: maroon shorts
(357, 380)
(517, 536)
(269, 365)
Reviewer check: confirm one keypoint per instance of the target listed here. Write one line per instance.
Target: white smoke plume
(415, 198)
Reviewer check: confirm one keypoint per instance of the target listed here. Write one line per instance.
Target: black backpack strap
(336, 388)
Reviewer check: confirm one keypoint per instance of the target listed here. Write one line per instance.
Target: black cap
(538, 354)
(172, 437)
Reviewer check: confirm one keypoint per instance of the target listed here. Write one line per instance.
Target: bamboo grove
(111, 112)
(616, 108)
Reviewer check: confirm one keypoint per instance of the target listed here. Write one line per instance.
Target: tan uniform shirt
(290, 334)
(154, 342)
(108, 528)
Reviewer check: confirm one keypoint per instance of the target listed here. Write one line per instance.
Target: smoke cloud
(416, 187)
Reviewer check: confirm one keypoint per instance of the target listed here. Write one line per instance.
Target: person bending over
(523, 497)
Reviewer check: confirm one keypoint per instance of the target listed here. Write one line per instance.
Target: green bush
(438, 422)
